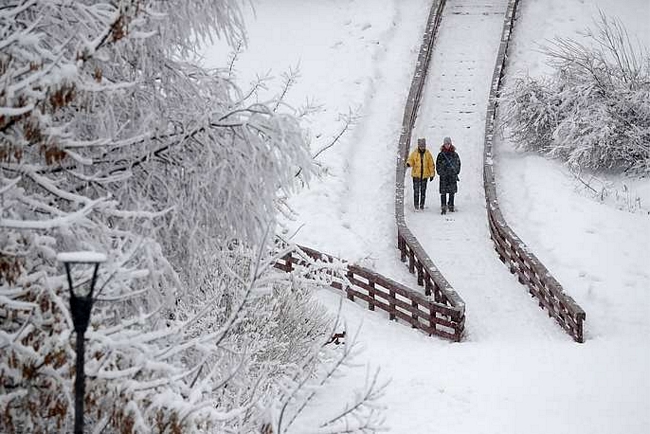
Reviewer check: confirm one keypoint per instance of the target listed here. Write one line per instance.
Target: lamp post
(81, 302)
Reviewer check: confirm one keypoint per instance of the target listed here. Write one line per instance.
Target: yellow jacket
(420, 169)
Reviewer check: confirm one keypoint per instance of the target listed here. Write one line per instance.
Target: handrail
(410, 248)
(431, 316)
(510, 248)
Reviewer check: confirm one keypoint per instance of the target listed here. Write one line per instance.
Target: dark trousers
(419, 192)
(443, 199)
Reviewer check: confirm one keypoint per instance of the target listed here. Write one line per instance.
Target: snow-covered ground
(516, 371)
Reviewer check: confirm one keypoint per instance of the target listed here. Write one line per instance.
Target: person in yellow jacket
(423, 169)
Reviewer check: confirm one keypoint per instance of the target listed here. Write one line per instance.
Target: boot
(451, 208)
(443, 209)
(451, 202)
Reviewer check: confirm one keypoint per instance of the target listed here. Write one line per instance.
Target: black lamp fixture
(81, 303)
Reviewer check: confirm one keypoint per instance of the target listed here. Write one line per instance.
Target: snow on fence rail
(512, 251)
(410, 249)
(432, 317)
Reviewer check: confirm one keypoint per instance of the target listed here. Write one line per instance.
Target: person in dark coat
(448, 165)
(423, 169)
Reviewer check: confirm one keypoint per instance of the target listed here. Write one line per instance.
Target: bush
(594, 111)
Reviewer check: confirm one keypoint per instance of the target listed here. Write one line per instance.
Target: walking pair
(423, 169)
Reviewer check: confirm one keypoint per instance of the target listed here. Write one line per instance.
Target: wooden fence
(511, 250)
(379, 292)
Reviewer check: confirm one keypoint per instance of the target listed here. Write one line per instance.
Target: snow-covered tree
(113, 140)
(594, 112)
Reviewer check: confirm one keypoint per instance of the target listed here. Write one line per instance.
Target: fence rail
(511, 250)
(379, 292)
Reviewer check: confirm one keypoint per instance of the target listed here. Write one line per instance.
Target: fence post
(288, 266)
(413, 314)
(371, 293)
(437, 295)
(457, 332)
(579, 337)
(391, 304)
(348, 289)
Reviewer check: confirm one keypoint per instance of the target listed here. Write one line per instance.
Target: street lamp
(81, 302)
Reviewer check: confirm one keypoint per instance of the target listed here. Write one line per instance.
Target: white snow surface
(516, 371)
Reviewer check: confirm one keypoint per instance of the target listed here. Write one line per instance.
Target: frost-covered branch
(363, 414)
(289, 80)
(348, 121)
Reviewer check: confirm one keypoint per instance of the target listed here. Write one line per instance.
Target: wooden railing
(427, 274)
(512, 251)
(379, 292)
(419, 261)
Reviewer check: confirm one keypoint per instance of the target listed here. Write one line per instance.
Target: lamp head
(83, 257)
(81, 296)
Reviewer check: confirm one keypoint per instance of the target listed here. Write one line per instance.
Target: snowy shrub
(594, 111)
(112, 140)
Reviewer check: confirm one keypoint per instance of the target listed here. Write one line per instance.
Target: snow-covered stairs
(454, 104)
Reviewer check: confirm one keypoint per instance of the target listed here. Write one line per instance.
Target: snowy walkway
(454, 104)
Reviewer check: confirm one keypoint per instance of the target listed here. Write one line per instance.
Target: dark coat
(448, 165)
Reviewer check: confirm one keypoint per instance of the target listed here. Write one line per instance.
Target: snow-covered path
(454, 104)
(366, 204)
